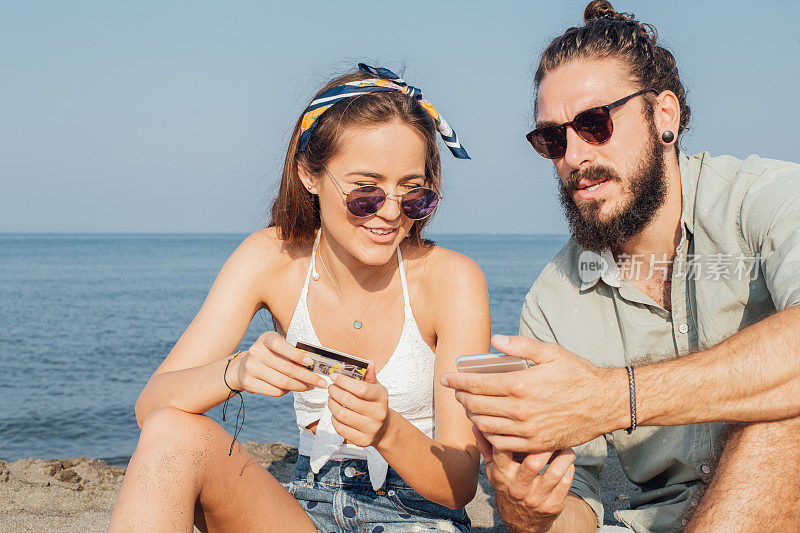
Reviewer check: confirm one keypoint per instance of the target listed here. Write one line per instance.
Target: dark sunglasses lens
(594, 125)
(549, 141)
(419, 203)
(365, 201)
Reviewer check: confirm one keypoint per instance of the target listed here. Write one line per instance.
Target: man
(669, 320)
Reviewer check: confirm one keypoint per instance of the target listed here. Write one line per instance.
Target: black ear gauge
(667, 136)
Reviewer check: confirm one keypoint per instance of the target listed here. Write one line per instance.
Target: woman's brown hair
(609, 34)
(295, 211)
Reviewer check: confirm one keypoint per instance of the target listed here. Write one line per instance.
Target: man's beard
(648, 191)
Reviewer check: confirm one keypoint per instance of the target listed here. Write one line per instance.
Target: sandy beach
(66, 495)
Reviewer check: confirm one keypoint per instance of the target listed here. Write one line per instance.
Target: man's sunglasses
(365, 201)
(593, 126)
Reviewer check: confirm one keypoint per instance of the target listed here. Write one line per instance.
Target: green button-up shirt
(738, 261)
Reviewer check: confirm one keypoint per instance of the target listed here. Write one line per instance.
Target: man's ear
(307, 179)
(667, 113)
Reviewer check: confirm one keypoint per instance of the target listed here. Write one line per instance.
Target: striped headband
(384, 80)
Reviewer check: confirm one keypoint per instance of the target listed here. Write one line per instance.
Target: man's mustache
(589, 174)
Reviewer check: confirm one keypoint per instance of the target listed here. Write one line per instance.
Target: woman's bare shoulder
(444, 281)
(271, 269)
(443, 267)
(451, 297)
(265, 252)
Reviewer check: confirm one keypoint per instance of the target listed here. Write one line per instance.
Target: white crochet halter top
(408, 377)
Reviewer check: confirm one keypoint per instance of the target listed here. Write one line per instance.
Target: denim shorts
(340, 498)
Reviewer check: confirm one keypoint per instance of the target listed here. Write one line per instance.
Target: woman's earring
(667, 136)
(314, 273)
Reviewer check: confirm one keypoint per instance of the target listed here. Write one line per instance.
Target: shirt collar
(605, 268)
(690, 173)
(608, 270)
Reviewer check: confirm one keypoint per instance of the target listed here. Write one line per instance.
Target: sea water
(86, 319)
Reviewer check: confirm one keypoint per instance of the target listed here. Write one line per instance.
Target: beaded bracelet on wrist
(632, 389)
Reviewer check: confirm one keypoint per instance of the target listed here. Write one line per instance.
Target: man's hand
(561, 402)
(526, 499)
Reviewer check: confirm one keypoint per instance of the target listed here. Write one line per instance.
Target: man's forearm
(576, 517)
(752, 376)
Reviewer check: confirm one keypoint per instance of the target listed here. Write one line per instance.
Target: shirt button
(705, 468)
(694, 502)
(349, 471)
(683, 328)
(684, 522)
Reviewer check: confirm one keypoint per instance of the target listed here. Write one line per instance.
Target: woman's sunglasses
(593, 126)
(365, 201)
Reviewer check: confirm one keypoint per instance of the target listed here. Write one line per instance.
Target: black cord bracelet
(225, 374)
(632, 389)
(236, 428)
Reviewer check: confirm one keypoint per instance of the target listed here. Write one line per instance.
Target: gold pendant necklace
(356, 320)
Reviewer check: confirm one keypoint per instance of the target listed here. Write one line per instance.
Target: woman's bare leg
(181, 474)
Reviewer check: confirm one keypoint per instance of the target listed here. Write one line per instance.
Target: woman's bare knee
(182, 465)
(169, 428)
(175, 445)
(166, 473)
(169, 422)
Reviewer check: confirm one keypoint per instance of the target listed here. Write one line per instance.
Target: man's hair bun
(603, 9)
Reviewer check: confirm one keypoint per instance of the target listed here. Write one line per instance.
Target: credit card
(330, 362)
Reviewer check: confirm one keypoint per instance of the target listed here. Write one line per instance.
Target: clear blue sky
(174, 116)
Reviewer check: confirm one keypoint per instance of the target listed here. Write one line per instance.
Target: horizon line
(433, 234)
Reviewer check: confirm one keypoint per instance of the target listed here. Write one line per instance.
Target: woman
(361, 176)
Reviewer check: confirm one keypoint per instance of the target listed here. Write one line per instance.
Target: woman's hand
(273, 367)
(360, 409)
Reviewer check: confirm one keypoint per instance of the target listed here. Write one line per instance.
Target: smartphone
(488, 363)
(330, 362)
